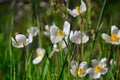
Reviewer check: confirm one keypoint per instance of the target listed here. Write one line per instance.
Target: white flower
(20, 41)
(78, 70)
(78, 37)
(115, 36)
(40, 54)
(62, 45)
(33, 31)
(98, 68)
(112, 62)
(57, 34)
(47, 30)
(78, 10)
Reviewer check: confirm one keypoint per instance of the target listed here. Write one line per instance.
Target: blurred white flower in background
(78, 37)
(33, 31)
(78, 10)
(114, 38)
(40, 54)
(47, 30)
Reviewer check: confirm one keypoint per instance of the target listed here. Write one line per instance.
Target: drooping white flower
(78, 37)
(99, 68)
(20, 41)
(114, 38)
(78, 10)
(78, 70)
(40, 54)
(57, 34)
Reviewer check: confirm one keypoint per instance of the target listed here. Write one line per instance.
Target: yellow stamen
(78, 9)
(80, 70)
(98, 68)
(114, 37)
(60, 33)
(39, 54)
(79, 37)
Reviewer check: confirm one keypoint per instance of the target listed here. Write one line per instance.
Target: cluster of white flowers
(61, 36)
(77, 37)
(95, 72)
(21, 41)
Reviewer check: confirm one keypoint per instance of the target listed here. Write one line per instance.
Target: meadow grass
(18, 16)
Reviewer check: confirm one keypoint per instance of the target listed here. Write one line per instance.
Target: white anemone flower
(40, 54)
(78, 70)
(99, 68)
(78, 37)
(78, 10)
(114, 38)
(57, 34)
(20, 41)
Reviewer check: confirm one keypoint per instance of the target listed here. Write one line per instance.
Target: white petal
(20, 38)
(95, 75)
(47, 30)
(104, 71)
(103, 62)
(74, 64)
(55, 48)
(82, 7)
(106, 37)
(53, 30)
(118, 33)
(114, 29)
(83, 65)
(33, 31)
(90, 71)
(85, 38)
(40, 50)
(66, 28)
(112, 62)
(71, 34)
(30, 37)
(73, 12)
(94, 62)
(63, 44)
(55, 39)
(73, 72)
(37, 60)
(15, 44)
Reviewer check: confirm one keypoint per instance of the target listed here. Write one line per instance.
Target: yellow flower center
(98, 68)
(60, 33)
(79, 37)
(78, 9)
(80, 70)
(114, 37)
(39, 54)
